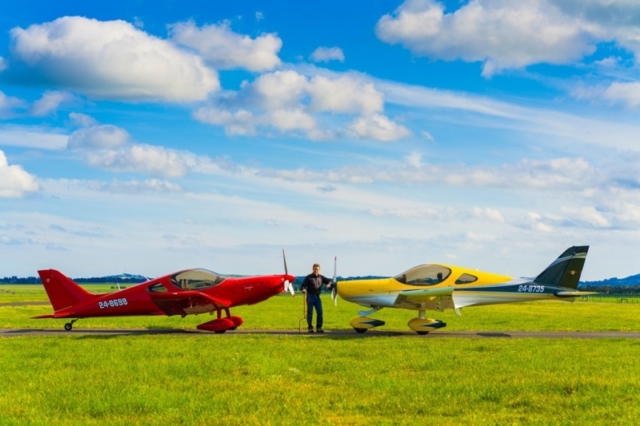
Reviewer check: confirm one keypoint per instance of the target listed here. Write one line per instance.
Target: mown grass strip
(256, 379)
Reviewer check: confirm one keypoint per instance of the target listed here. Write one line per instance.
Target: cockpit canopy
(424, 275)
(196, 279)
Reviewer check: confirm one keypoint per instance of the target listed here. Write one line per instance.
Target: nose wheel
(362, 324)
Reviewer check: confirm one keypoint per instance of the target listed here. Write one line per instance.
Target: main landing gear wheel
(422, 333)
(360, 330)
(219, 331)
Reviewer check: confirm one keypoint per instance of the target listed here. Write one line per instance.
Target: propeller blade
(289, 287)
(334, 287)
(284, 259)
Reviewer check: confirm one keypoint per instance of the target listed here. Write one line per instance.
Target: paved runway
(328, 334)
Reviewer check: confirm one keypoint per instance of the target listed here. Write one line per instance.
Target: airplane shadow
(88, 333)
(111, 333)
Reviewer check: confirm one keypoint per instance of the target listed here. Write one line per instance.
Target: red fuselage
(167, 295)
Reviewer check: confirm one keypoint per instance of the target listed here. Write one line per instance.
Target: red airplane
(192, 291)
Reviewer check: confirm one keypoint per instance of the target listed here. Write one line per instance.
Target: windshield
(424, 275)
(196, 279)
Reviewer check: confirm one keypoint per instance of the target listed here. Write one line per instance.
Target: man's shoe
(310, 330)
(319, 330)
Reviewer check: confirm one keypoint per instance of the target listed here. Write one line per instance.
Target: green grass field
(300, 379)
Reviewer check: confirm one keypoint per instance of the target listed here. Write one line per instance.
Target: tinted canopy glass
(424, 275)
(466, 279)
(196, 279)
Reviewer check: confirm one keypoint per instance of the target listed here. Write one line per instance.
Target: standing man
(311, 287)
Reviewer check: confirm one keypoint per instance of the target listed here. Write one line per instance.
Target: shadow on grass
(329, 334)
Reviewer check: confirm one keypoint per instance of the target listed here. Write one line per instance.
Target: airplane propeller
(287, 285)
(334, 287)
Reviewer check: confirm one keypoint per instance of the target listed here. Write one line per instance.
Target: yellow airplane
(439, 287)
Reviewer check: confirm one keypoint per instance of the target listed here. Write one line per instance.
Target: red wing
(176, 303)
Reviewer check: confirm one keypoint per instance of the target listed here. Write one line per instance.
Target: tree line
(91, 280)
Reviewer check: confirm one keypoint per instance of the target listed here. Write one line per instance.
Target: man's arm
(326, 281)
(305, 284)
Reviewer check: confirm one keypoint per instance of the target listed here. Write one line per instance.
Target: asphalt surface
(24, 303)
(8, 332)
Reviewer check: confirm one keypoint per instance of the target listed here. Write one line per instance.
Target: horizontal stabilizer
(574, 293)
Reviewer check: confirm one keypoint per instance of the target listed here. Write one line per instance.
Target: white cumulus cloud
(292, 119)
(501, 34)
(136, 187)
(346, 94)
(292, 102)
(111, 148)
(49, 102)
(226, 49)
(488, 213)
(240, 122)
(625, 93)
(14, 180)
(279, 89)
(98, 137)
(155, 160)
(111, 60)
(378, 127)
(32, 137)
(414, 159)
(586, 215)
(82, 120)
(8, 104)
(326, 54)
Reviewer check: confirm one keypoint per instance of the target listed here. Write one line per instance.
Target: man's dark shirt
(313, 283)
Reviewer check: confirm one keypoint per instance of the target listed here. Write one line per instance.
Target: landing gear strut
(68, 326)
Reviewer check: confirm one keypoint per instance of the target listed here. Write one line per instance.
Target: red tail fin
(62, 291)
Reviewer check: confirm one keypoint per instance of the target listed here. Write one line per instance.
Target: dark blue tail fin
(566, 269)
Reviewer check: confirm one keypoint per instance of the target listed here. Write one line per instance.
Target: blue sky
(148, 137)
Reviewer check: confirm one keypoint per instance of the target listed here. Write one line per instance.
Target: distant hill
(121, 279)
(633, 280)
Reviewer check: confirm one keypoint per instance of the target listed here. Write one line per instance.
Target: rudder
(62, 291)
(565, 271)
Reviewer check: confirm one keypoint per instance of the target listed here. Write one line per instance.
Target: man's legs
(310, 304)
(319, 312)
